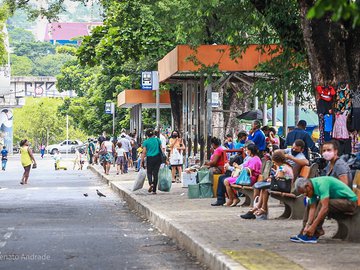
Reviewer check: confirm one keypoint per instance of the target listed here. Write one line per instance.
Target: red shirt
(325, 92)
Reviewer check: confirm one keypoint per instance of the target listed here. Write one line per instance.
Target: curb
(207, 255)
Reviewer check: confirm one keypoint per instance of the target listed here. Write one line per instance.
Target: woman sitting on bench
(254, 166)
(283, 170)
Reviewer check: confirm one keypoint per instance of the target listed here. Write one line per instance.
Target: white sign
(215, 102)
(149, 80)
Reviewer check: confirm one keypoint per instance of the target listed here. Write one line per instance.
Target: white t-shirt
(120, 151)
(125, 143)
(108, 146)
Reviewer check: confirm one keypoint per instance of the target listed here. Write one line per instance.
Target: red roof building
(65, 33)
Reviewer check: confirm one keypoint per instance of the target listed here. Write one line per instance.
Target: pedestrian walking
(125, 142)
(91, 151)
(78, 162)
(42, 150)
(27, 159)
(120, 158)
(151, 151)
(176, 155)
(106, 154)
(4, 158)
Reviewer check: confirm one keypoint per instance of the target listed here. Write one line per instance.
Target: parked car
(69, 145)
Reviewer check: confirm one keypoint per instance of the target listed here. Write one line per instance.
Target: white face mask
(328, 155)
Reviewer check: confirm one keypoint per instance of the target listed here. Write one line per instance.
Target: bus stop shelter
(200, 71)
(136, 100)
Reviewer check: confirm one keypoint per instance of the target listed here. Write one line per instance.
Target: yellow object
(25, 156)
(215, 184)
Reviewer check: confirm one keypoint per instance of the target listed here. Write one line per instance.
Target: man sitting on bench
(326, 194)
(296, 157)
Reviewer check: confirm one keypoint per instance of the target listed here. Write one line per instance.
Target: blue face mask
(242, 141)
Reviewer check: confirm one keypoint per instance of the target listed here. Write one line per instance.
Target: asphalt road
(49, 224)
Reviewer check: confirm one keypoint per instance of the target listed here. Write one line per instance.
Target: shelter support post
(209, 117)
(202, 117)
(273, 114)
(285, 113)
(265, 120)
(297, 109)
(256, 103)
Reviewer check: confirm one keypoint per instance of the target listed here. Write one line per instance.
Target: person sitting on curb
(295, 157)
(326, 195)
(336, 167)
(221, 190)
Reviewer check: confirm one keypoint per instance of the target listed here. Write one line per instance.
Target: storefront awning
(129, 98)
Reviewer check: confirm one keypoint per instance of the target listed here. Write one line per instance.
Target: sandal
(228, 204)
(260, 212)
(235, 203)
(151, 188)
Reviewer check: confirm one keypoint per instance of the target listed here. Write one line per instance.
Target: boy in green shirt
(326, 195)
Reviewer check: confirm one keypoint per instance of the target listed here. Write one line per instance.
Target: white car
(70, 145)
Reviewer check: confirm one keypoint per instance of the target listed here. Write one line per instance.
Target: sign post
(110, 109)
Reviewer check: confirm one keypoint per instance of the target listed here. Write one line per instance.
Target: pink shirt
(254, 164)
(218, 152)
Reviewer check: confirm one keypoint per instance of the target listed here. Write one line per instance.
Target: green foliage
(50, 65)
(339, 9)
(39, 119)
(33, 50)
(19, 36)
(21, 65)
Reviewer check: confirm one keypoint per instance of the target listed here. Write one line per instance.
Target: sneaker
(307, 239)
(295, 239)
(262, 217)
(248, 215)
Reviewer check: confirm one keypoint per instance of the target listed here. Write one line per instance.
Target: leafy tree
(33, 50)
(50, 65)
(21, 65)
(39, 120)
(20, 36)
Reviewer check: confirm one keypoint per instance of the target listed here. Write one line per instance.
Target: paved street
(49, 224)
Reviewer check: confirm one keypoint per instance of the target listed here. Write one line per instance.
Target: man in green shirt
(326, 194)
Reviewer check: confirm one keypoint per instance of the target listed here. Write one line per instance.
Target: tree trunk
(333, 49)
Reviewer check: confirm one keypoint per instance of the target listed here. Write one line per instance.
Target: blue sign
(146, 80)
(108, 107)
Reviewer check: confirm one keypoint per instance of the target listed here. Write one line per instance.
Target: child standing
(121, 158)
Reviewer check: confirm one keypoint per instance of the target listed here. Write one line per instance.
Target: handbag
(280, 184)
(103, 151)
(34, 166)
(244, 177)
(162, 154)
(176, 158)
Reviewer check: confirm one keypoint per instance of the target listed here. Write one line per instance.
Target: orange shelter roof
(177, 61)
(129, 98)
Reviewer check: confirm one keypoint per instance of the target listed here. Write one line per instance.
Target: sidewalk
(219, 238)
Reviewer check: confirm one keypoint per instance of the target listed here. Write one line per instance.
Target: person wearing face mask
(176, 149)
(241, 139)
(295, 156)
(336, 167)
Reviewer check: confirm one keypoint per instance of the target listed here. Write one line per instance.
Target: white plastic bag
(140, 179)
(176, 158)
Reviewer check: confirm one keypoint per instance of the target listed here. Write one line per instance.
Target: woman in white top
(107, 150)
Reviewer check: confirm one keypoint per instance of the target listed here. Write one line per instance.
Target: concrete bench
(294, 205)
(248, 191)
(348, 226)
